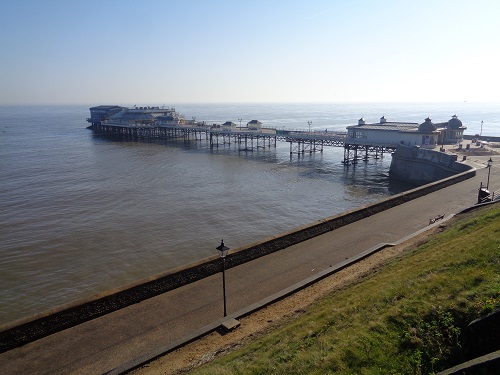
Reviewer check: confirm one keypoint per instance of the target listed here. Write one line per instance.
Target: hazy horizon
(170, 104)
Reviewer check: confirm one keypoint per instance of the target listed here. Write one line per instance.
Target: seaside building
(452, 131)
(170, 118)
(144, 116)
(254, 125)
(228, 126)
(390, 134)
(102, 112)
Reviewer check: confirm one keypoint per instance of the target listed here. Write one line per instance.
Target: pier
(360, 142)
(247, 139)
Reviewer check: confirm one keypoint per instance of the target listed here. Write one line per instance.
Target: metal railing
(490, 197)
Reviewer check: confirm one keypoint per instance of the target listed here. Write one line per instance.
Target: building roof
(105, 107)
(454, 123)
(388, 125)
(427, 126)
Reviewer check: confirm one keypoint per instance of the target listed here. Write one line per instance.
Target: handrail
(490, 197)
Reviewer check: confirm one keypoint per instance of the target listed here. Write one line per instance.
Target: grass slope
(406, 318)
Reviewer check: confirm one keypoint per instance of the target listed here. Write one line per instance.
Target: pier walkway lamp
(490, 162)
(309, 123)
(240, 121)
(223, 250)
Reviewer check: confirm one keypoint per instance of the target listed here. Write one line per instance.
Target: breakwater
(21, 332)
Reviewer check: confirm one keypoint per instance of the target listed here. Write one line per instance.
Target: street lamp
(490, 162)
(481, 133)
(309, 123)
(223, 252)
(240, 121)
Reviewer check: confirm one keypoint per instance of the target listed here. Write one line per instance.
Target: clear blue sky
(160, 52)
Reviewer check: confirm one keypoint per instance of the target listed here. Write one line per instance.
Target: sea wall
(21, 332)
(486, 138)
(420, 166)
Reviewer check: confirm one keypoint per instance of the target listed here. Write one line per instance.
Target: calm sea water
(80, 214)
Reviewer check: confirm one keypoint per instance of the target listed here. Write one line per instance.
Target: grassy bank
(410, 317)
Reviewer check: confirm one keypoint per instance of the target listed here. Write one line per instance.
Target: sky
(248, 51)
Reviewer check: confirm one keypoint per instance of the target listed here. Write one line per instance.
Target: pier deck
(301, 142)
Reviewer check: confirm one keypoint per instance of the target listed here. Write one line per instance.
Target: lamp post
(240, 121)
(481, 133)
(223, 252)
(309, 123)
(490, 162)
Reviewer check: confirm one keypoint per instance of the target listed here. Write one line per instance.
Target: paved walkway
(107, 342)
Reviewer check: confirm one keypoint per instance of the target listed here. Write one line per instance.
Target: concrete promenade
(105, 343)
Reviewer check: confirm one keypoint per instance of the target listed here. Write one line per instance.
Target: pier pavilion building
(390, 134)
(452, 131)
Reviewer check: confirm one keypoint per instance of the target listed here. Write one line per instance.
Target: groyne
(27, 330)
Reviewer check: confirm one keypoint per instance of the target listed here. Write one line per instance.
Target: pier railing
(301, 141)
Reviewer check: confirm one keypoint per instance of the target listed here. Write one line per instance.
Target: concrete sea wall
(483, 138)
(417, 165)
(21, 332)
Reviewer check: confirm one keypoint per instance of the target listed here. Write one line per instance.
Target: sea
(81, 214)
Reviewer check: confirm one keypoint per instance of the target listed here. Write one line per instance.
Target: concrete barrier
(23, 331)
(419, 165)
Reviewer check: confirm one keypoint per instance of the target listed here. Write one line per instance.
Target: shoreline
(134, 336)
(26, 330)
